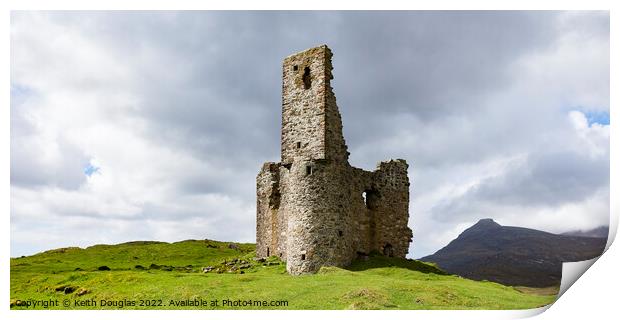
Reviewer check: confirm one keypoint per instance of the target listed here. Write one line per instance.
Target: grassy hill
(158, 275)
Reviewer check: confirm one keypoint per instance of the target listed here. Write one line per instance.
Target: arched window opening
(388, 250)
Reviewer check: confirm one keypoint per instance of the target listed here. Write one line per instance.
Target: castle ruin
(313, 208)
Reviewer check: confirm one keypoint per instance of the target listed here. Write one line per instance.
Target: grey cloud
(419, 63)
(550, 179)
(29, 171)
(29, 167)
(544, 180)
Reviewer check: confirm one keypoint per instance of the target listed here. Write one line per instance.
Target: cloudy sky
(153, 125)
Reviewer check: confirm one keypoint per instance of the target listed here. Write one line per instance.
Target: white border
(593, 294)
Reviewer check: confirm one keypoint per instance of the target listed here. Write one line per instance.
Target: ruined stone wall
(392, 208)
(267, 206)
(303, 106)
(311, 210)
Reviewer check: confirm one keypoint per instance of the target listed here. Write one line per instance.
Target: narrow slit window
(298, 145)
(268, 251)
(303, 257)
(308, 170)
(306, 78)
(340, 233)
(295, 68)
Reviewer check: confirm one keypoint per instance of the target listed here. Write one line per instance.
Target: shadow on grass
(380, 261)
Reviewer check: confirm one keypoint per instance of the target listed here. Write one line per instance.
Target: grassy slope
(380, 283)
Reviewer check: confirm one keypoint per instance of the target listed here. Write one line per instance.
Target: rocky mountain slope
(513, 255)
(600, 232)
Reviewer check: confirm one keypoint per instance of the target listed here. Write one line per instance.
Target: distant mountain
(513, 255)
(600, 232)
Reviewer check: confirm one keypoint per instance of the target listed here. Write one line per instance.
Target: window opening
(388, 250)
(306, 78)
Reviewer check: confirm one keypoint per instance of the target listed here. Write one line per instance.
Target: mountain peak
(482, 225)
(486, 224)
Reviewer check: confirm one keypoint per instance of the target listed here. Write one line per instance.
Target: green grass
(379, 283)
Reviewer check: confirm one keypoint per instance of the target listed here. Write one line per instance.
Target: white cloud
(81, 111)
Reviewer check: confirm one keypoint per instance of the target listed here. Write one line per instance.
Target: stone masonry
(313, 208)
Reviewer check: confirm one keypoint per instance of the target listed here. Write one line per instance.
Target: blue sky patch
(19, 94)
(90, 169)
(600, 117)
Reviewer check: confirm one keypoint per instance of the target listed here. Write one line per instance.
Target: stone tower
(313, 208)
